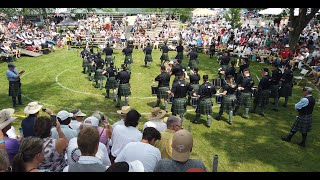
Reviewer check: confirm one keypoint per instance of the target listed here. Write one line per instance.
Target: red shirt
(286, 53)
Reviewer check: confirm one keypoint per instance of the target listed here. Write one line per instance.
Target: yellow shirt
(165, 143)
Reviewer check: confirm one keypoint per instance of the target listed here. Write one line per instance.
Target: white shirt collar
(89, 160)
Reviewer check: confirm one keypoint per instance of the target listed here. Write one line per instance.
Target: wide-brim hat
(287, 45)
(79, 113)
(32, 108)
(124, 110)
(6, 117)
(157, 113)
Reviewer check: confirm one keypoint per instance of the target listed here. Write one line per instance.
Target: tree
(233, 17)
(185, 13)
(298, 23)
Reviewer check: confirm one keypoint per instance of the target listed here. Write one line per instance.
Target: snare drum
(194, 101)
(217, 82)
(154, 90)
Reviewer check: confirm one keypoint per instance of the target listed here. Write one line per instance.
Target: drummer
(205, 104)
(194, 82)
(163, 86)
(245, 89)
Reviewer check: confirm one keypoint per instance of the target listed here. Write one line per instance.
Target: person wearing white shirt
(73, 152)
(143, 151)
(123, 134)
(155, 120)
(78, 118)
(88, 142)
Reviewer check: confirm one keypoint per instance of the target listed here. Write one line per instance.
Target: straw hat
(79, 113)
(124, 110)
(32, 108)
(6, 117)
(157, 113)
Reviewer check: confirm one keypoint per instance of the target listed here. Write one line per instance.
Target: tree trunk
(293, 39)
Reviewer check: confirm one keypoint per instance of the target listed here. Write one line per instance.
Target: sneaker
(245, 116)
(261, 114)
(207, 125)
(230, 123)
(274, 109)
(283, 138)
(218, 118)
(195, 122)
(302, 144)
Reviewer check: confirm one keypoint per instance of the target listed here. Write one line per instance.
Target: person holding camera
(14, 84)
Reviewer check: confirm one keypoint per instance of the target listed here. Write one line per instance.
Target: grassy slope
(247, 145)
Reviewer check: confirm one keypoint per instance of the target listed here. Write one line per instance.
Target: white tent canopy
(277, 11)
(203, 12)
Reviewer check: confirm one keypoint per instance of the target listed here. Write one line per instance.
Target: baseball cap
(182, 143)
(92, 121)
(63, 115)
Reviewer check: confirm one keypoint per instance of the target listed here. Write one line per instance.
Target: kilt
(274, 91)
(302, 123)
(224, 67)
(109, 60)
(124, 90)
(162, 93)
(179, 106)
(14, 88)
(111, 83)
(85, 62)
(128, 59)
(245, 99)
(148, 58)
(204, 107)
(285, 90)
(164, 56)
(262, 97)
(228, 103)
(179, 55)
(91, 69)
(193, 64)
(98, 75)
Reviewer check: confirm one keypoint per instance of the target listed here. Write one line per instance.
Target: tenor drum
(154, 90)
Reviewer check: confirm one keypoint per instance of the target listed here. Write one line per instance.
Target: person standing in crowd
(165, 50)
(231, 71)
(84, 55)
(11, 145)
(111, 73)
(155, 120)
(88, 142)
(148, 57)
(178, 70)
(13, 77)
(144, 150)
(123, 134)
(182, 143)
(127, 51)
(194, 83)
(245, 89)
(244, 65)
(124, 87)
(69, 39)
(64, 118)
(229, 99)
(73, 152)
(179, 92)
(286, 55)
(303, 122)
(205, 104)
(163, 87)
(263, 92)
(109, 51)
(78, 118)
(174, 124)
(98, 76)
(286, 85)
(30, 155)
(54, 149)
(123, 113)
(33, 111)
(275, 85)
(179, 50)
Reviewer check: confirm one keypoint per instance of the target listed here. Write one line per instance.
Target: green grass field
(252, 145)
